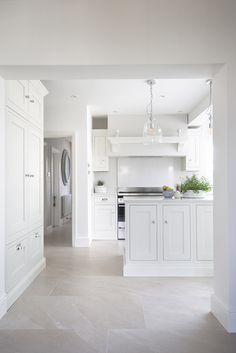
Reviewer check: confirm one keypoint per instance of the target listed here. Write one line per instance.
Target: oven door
(121, 221)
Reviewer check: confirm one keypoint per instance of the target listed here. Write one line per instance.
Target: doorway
(58, 191)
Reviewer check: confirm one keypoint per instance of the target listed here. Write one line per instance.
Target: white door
(35, 168)
(104, 221)
(100, 158)
(18, 95)
(204, 232)
(193, 150)
(176, 232)
(17, 177)
(143, 232)
(35, 106)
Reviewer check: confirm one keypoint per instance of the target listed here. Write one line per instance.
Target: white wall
(110, 177)
(2, 199)
(66, 119)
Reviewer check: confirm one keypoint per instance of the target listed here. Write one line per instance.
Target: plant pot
(100, 189)
(190, 194)
(168, 194)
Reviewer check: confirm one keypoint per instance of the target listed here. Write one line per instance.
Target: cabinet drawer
(16, 262)
(35, 246)
(105, 199)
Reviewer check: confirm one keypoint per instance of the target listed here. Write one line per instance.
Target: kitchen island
(168, 237)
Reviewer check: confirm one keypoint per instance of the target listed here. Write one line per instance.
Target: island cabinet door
(176, 232)
(142, 232)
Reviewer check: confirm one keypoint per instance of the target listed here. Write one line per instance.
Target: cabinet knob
(166, 222)
(31, 100)
(153, 222)
(27, 96)
(18, 247)
(37, 235)
(104, 198)
(27, 175)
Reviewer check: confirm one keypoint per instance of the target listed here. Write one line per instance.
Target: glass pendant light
(152, 132)
(209, 110)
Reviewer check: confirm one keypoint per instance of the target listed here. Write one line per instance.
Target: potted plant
(195, 187)
(100, 187)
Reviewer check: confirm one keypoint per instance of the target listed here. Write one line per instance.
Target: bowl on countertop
(168, 194)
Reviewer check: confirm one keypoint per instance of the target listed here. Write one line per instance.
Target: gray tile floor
(82, 304)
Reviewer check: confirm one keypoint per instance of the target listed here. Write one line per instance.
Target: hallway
(81, 304)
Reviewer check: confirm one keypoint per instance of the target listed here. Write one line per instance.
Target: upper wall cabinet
(100, 151)
(193, 150)
(26, 98)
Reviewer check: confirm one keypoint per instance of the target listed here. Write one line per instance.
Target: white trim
(153, 270)
(82, 242)
(3, 306)
(14, 294)
(226, 317)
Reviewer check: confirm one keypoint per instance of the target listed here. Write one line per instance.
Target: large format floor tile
(81, 303)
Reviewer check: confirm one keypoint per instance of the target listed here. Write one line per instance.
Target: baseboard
(14, 293)
(224, 316)
(3, 305)
(82, 242)
(152, 270)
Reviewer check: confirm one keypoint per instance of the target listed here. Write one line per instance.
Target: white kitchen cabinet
(24, 185)
(16, 175)
(17, 94)
(193, 150)
(35, 184)
(100, 151)
(142, 232)
(35, 105)
(16, 262)
(204, 232)
(35, 242)
(176, 232)
(105, 217)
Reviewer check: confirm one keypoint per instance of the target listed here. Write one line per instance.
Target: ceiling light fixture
(152, 132)
(209, 110)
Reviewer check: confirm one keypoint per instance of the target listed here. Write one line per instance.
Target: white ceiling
(120, 96)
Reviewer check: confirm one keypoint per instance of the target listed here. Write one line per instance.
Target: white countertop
(162, 199)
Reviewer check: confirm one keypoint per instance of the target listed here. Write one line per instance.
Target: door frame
(55, 187)
(72, 135)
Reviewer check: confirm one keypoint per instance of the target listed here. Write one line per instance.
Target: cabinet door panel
(35, 106)
(143, 232)
(204, 232)
(35, 176)
(17, 95)
(104, 218)
(100, 158)
(176, 232)
(193, 150)
(16, 263)
(16, 180)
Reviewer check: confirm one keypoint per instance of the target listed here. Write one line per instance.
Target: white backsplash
(150, 171)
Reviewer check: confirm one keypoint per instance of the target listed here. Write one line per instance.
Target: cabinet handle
(153, 222)
(18, 247)
(31, 100)
(31, 175)
(27, 96)
(27, 175)
(166, 222)
(104, 199)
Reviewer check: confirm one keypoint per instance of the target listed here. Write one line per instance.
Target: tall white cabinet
(24, 184)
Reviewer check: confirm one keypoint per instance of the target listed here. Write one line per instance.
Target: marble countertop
(162, 199)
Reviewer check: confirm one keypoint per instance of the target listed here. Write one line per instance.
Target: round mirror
(65, 167)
